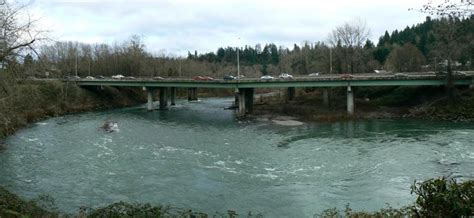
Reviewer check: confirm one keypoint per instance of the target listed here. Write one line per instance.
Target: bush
(444, 197)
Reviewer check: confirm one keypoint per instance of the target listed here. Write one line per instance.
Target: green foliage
(12, 206)
(403, 96)
(26, 102)
(122, 209)
(444, 197)
(439, 197)
(405, 59)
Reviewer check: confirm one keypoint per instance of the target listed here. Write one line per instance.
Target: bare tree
(351, 36)
(406, 58)
(449, 8)
(16, 30)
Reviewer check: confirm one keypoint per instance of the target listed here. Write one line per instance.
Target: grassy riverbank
(372, 103)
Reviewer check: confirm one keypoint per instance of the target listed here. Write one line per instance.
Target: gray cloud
(186, 25)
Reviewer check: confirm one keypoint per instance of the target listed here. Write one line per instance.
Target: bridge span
(245, 88)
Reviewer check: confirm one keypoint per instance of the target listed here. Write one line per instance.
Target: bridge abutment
(350, 101)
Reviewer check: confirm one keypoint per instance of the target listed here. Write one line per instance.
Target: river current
(197, 155)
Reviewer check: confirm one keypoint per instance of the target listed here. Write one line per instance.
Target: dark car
(346, 76)
(229, 77)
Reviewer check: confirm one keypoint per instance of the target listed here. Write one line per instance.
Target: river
(196, 155)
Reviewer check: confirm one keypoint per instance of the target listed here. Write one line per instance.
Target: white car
(286, 76)
(266, 77)
(118, 76)
(90, 77)
(314, 74)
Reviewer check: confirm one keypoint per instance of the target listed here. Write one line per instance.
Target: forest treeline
(421, 47)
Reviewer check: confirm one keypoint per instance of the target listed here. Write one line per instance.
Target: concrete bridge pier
(150, 93)
(172, 92)
(163, 99)
(249, 100)
(245, 101)
(241, 111)
(350, 101)
(326, 97)
(192, 94)
(291, 93)
(236, 94)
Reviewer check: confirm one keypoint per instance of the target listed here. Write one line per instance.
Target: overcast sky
(178, 26)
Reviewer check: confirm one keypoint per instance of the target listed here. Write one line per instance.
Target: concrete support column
(241, 111)
(189, 94)
(192, 94)
(350, 101)
(249, 93)
(149, 106)
(195, 94)
(291, 93)
(173, 95)
(236, 101)
(326, 97)
(163, 99)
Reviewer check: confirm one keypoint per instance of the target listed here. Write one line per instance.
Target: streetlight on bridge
(238, 61)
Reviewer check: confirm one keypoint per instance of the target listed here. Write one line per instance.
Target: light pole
(330, 60)
(238, 61)
(76, 61)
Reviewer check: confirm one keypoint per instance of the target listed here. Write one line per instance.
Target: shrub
(444, 197)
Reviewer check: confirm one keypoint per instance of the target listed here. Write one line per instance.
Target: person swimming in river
(110, 126)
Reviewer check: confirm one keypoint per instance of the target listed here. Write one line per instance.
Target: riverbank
(26, 102)
(439, 197)
(427, 103)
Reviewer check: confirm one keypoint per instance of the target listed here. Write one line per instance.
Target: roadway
(325, 80)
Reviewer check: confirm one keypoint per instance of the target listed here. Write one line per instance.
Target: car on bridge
(118, 76)
(314, 74)
(229, 77)
(203, 78)
(158, 78)
(266, 77)
(346, 76)
(90, 77)
(286, 76)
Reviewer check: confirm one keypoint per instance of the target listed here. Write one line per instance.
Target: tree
(407, 58)
(16, 34)
(449, 37)
(351, 37)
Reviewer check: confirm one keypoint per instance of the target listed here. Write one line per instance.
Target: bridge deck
(319, 81)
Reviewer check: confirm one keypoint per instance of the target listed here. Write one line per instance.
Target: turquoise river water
(198, 156)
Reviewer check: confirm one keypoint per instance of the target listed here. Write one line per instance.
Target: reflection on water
(196, 155)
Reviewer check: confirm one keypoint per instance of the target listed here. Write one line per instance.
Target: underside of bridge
(244, 98)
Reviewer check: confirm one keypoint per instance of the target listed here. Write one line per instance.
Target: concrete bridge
(245, 88)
